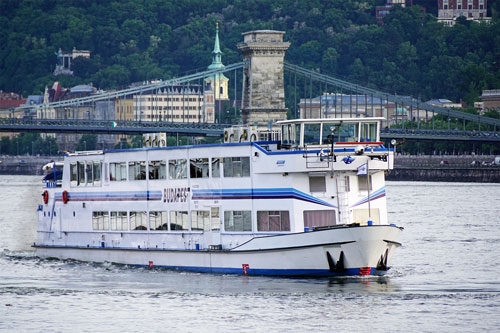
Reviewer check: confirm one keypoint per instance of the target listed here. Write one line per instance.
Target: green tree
(87, 142)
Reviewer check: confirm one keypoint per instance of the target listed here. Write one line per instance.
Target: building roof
(11, 103)
(82, 88)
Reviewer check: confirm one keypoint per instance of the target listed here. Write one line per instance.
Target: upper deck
(303, 133)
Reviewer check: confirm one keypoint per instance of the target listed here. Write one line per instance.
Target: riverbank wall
(445, 168)
(25, 165)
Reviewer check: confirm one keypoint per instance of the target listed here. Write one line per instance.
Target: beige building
(183, 104)
(491, 99)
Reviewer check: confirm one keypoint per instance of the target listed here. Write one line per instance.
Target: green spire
(216, 53)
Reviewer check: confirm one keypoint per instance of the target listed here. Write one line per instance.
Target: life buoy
(226, 136)
(65, 196)
(45, 196)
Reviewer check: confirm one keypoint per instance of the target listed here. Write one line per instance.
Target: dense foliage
(134, 41)
(28, 144)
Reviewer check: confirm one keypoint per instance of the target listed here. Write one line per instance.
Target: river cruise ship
(300, 198)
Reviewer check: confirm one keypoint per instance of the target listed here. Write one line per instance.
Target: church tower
(218, 82)
(216, 86)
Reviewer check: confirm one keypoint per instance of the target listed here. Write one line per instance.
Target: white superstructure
(310, 204)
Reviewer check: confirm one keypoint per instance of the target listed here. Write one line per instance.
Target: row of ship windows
(88, 173)
(200, 220)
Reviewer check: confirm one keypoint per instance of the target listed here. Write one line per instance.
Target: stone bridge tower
(263, 98)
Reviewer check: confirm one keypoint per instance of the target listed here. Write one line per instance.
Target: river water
(446, 277)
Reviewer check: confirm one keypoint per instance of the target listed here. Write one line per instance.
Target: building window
(137, 170)
(238, 220)
(119, 221)
(158, 221)
(157, 170)
(198, 167)
(177, 169)
(317, 184)
(100, 221)
(273, 221)
(236, 167)
(179, 220)
(200, 220)
(138, 221)
(118, 171)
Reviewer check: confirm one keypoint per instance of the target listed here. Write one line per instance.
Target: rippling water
(445, 277)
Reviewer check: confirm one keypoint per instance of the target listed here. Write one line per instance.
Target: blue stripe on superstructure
(374, 195)
(112, 196)
(257, 193)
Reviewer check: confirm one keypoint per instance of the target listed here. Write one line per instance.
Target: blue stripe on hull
(269, 272)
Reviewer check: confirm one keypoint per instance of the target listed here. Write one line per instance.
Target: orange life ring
(65, 196)
(45, 196)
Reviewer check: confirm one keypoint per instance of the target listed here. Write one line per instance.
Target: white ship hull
(366, 250)
(289, 207)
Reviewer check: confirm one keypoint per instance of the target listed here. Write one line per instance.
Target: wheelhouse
(302, 133)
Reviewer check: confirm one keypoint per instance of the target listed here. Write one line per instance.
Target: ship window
(118, 171)
(88, 172)
(138, 221)
(137, 170)
(216, 167)
(119, 221)
(215, 218)
(363, 183)
(73, 174)
(238, 220)
(311, 134)
(177, 169)
(368, 132)
(327, 136)
(97, 166)
(198, 167)
(288, 134)
(200, 220)
(236, 167)
(348, 133)
(179, 220)
(317, 184)
(319, 218)
(100, 221)
(158, 221)
(273, 220)
(157, 170)
(81, 173)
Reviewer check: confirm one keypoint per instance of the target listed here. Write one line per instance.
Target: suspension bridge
(309, 94)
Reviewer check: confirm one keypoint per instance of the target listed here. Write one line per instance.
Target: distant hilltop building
(491, 99)
(383, 11)
(450, 10)
(64, 59)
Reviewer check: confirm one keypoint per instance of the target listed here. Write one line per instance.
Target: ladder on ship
(343, 198)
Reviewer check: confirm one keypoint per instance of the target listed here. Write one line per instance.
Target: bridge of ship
(409, 119)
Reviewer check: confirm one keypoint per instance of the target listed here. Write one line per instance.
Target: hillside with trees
(132, 41)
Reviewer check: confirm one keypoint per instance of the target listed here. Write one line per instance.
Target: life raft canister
(45, 196)
(65, 197)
